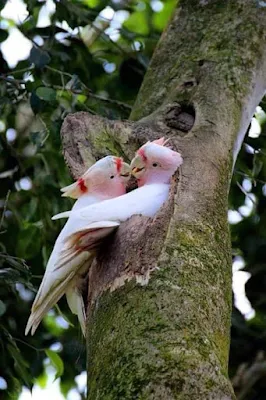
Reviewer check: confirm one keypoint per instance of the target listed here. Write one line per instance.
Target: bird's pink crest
(141, 152)
(118, 162)
(160, 141)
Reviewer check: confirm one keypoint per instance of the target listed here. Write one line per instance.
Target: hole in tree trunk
(181, 117)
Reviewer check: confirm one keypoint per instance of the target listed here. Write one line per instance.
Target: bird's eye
(112, 177)
(155, 164)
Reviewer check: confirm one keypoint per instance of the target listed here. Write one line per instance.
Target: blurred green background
(66, 56)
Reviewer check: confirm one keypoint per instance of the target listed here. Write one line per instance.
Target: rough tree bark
(163, 330)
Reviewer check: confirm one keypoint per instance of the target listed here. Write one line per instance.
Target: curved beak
(137, 165)
(125, 170)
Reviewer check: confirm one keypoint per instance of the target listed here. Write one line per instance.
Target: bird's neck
(104, 192)
(162, 178)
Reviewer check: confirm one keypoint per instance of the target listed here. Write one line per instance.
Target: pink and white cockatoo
(153, 166)
(69, 262)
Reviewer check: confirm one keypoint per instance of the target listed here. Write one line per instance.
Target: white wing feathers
(90, 237)
(145, 200)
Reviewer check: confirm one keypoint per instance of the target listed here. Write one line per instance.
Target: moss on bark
(169, 339)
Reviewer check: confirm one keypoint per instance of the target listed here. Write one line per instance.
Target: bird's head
(155, 163)
(107, 177)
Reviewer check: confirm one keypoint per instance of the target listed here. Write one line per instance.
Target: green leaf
(29, 241)
(161, 18)
(39, 57)
(2, 4)
(35, 138)
(20, 365)
(38, 138)
(92, 3)
(2, 308)
(52, 326)
(3, 35)
(36, 103)
(74, 83)
(56, 361)
(65, 387)
(33, 7)
(15, 262)
(257, 164)
(42, 380)
(46, 94)
(137, 22)
(64, 316)
(9, 275)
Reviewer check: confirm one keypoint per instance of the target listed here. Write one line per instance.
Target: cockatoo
(153, 166)
(106, 179)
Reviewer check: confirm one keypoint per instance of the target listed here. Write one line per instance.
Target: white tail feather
(77, 307)
(48, 295)
(64, 214)
(41, 309)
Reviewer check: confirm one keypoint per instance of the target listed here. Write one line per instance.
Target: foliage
(247, 197)
(84, 62)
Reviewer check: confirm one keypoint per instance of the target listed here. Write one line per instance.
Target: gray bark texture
(160, 292)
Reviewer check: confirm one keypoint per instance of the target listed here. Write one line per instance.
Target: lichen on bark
(169, 339)
(150, 347)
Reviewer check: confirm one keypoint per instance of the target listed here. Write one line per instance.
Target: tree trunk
(163, 330)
